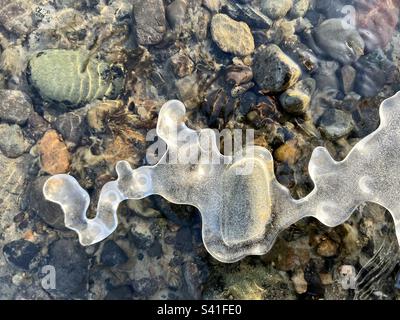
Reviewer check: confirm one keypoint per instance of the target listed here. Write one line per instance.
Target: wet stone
(296, 100)
(176, 13)
(182, 65)
(299, 8)
(20, 253)
(247, 13)
(15, 106)
(12, 142)
(335, 123)
(339, 41)
(112, 254)
(71, 263)
(49, 212)
(71, 125)
(232, 36)
(150, 21)
(274, 71)
(276, 9)
(54, 155)
(348, 76)
(212, 5)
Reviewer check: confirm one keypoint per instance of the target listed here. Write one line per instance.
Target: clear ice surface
(242, 210)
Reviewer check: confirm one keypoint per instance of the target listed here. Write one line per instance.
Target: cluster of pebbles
(81, 84)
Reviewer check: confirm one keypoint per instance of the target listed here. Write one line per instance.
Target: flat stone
(335, 123)
(232, 36)
(150, 21)
(276, 9)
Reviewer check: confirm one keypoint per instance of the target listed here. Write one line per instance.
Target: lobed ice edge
(242, 214)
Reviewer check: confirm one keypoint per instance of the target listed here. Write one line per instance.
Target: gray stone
(273, 70)
(15, 106)
(71, 264)
(335, 123)
(12, 142)
(112, 254)
(276, 9)
(339, 41)
(20, 253)
(247, 13)
(49, 212)
(176, 13)
(325, 75)
(348, 75)
(150, 21)
(212, 5)
(71, 125)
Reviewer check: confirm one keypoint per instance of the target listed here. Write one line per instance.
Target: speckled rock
(20, 253)
(232, 36)
(182, 65)
(98, 111)
(16, 16)
(15, 106)
(12, 141)
(54, 155)
(274, 71)
(212, 5)
(296, 100)
(339, 41)
(335, 123)
(150, 21)
(327, 248)
(276, 9)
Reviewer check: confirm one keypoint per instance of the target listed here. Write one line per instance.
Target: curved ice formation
(243, 212)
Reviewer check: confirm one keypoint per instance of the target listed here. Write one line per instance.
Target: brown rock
(288, 152)
(300, 284)
(327, 248)
(54, 155)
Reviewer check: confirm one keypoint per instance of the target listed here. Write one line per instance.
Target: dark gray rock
(335, 123)
(273, 70)
(15, 106)
(71, 265)
(112, 254)
(145, 287)
(20, 253)
(119, 293)
(373, 72)
(49, 212)
(71, 125)
(247, 13)
(150, 21)
(12, 141)
(325, 75)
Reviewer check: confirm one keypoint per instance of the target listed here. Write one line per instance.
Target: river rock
(276, 9)
(299, 8)
(176, 13)
(20, 253)
(335, 123)
(296, 100)
(232, 36)
(15, 106)
(150, 21)
(339, 41)
(273, 70)
(12, 141)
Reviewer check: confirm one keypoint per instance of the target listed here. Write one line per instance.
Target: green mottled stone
(74, 77)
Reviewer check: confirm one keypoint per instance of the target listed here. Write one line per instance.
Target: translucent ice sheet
(243, 207)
